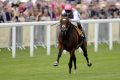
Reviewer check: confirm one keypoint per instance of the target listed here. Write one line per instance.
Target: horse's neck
(71, 28)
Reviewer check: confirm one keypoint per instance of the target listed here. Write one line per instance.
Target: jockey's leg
(83, 33)
(77, 24)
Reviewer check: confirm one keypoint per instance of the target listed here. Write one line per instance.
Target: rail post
(48, 39)
(96, 37)
(31, 41)
(110, 36)
(13, 42)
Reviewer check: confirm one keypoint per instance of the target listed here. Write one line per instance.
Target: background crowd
(43, 10)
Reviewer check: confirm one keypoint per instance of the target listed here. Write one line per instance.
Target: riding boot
(83, 35)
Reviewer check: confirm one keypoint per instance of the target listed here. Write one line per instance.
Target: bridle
(64, 23)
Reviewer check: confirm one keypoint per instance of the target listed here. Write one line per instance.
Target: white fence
(49, 23)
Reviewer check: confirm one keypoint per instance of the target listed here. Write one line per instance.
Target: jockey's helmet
(68, 7)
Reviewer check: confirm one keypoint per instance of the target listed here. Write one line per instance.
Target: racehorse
(69, 39)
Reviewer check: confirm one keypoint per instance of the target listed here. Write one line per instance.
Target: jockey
(74, 16)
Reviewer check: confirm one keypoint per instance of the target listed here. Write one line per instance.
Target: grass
(106, 65)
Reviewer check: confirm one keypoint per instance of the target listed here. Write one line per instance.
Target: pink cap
(68, 7)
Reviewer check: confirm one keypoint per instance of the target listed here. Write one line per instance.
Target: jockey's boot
(83, 35)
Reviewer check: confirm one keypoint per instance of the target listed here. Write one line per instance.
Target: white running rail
(48, 23)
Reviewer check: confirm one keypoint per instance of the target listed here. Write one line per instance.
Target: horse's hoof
(56, 64)
(89, 64)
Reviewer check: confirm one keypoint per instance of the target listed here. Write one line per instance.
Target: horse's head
(64, 24)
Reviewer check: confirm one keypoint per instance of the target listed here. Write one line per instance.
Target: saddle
(78, 30)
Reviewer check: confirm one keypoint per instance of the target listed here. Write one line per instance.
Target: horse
(69, 39)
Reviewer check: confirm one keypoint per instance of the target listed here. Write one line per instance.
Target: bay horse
(70, 40)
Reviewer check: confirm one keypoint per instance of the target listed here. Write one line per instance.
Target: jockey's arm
(76, 17)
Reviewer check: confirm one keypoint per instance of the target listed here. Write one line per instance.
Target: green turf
(106, 65)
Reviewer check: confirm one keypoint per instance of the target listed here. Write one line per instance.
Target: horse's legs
(70, 63)
(84, 48)
(74, 59)
(58, 57)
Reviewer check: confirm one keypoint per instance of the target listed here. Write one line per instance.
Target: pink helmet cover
(68, 7)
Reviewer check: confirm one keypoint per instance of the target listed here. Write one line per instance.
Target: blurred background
(32, 10)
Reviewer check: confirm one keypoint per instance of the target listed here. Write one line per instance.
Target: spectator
(45, 16)
(1, 18)
(87, 9)
(103, 13)
(8, 14)
(93, 11)
(51, 12)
